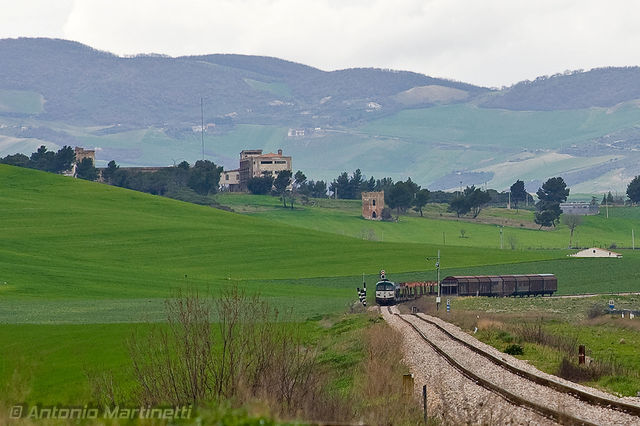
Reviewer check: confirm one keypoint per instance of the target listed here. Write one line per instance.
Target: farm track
(557, 401)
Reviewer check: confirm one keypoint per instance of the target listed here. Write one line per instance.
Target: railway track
(552, 399)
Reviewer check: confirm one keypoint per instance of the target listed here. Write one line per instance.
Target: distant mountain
(601, 87)
(84, 85)
(145, 110)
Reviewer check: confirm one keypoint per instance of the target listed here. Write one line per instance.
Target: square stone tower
(372, 205)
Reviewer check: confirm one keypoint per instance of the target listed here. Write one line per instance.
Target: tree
(553, 192)
(281, 183)
(318, 189)
(109, 173)
(340, 186)
(260, 185)
(370, 185)
(420, 200)
(86, 170)
(19, 160)
(299, 178)
(356, 183)
(610, 199)
(633, 190)
(476, 199)
(63, 159)
(459, 205)
(572, 221)
(399, 197)
(546, 218)
(204, 177)
(43, 159)
(518, 193)
(471, 200)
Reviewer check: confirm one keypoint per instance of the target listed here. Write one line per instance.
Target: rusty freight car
(500, 285)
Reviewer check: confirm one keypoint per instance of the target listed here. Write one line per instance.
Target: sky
(492, 43)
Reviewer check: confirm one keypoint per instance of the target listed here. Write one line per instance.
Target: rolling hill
(145, 110)
(93, 252)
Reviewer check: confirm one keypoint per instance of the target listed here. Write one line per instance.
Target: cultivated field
(83, 264)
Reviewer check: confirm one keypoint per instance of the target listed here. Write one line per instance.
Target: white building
(596, 252)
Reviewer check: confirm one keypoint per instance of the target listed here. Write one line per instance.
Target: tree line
(203, 178)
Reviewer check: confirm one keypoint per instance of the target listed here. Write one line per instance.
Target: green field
(82, 264)
(343, 217)
(21, 101)
(467, 124)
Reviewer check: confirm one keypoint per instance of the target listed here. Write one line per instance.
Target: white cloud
(489, 42)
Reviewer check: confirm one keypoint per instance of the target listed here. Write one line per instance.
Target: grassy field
(343, 217)
(69, 239)
(82, 264)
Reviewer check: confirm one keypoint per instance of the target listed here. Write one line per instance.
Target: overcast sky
(485, 42)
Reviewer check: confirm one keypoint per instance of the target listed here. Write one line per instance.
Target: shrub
(596, 310)
(505, 336)
(514, 349)
(386, 214)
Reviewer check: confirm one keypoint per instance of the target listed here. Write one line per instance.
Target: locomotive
(386, 290)
(389, 292)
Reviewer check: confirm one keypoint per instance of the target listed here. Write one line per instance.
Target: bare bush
(256, 355)
(172, 364)
(535, 333)
(596, 310)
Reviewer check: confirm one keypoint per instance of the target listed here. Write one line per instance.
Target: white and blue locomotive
(386, 291)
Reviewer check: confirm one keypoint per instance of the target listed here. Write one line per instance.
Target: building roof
(271, 154)
(596, 252)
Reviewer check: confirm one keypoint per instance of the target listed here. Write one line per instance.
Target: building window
(266, 162)
(374, 202)
(226, 177)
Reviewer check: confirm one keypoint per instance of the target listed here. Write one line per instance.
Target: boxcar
(500, 285)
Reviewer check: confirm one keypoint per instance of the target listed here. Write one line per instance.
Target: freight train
(500, 285)
(389, 292)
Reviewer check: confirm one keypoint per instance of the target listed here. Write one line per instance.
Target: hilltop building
(81, 154)
(580, 208)
(253, 163)
(372, 205)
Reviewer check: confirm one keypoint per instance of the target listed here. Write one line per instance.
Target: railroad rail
(560, 387)
(545, 410)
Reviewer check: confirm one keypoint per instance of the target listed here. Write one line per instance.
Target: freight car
(500, 285)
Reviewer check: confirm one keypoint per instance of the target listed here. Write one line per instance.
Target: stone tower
(372, 205)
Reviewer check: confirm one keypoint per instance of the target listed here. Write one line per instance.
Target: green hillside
(343, 217)
(66, 242)
(81, 262)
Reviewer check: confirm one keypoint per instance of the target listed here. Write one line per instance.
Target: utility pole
(633, 240)
(438, 278)
(501, 245)
(509, 203)
(202, 125)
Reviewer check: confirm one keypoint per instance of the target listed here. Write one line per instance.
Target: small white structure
(596, 252)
